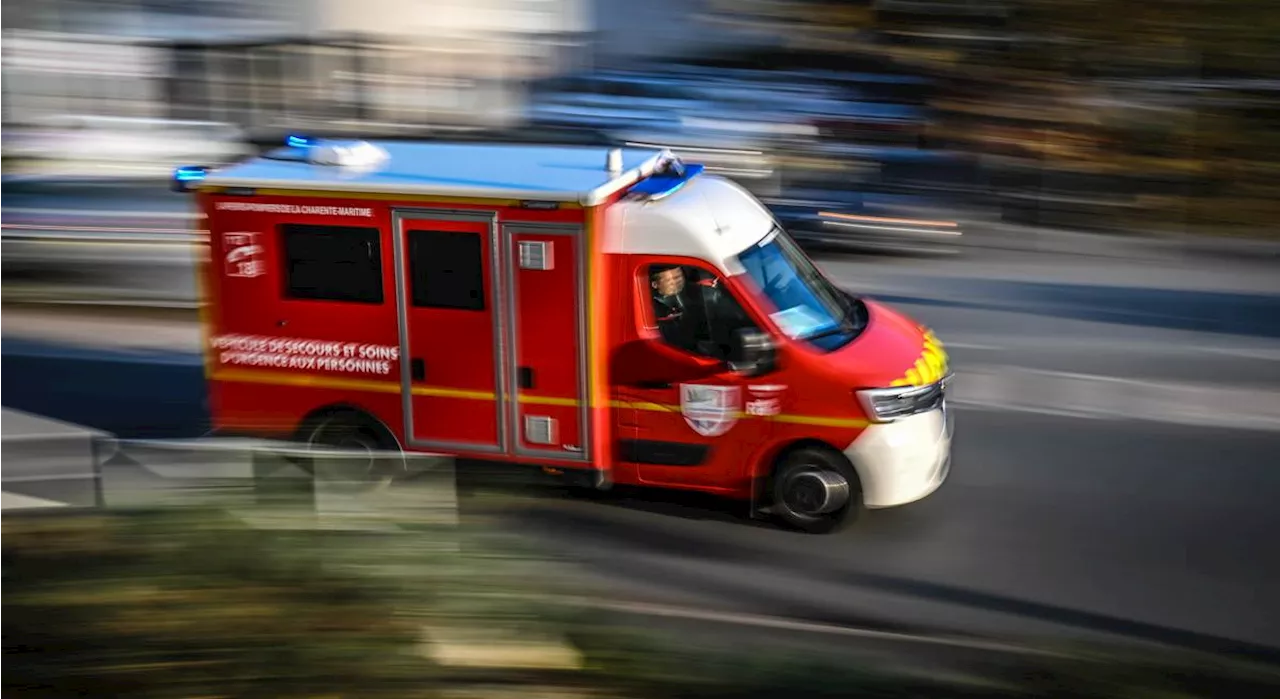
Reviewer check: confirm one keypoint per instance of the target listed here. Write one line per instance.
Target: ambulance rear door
(546, 298)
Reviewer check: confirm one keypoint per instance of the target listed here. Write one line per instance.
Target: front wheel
(816, 491)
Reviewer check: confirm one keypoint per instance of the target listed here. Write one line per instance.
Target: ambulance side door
(687, 426)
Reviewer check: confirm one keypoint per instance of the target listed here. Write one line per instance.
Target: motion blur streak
(1079, 198)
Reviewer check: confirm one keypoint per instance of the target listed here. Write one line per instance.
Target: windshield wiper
(844, 326)
(847, 324)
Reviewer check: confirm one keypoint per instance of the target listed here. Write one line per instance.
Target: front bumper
(903, 461)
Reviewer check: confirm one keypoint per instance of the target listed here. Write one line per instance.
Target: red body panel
(453, 399)
(261, 383)
(548, 332)
(559, 343)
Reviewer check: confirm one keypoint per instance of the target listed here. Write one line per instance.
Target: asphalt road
(1049, 523)
(1046, 523)
(1159, 527)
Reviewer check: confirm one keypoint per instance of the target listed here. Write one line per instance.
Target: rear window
(332, 263)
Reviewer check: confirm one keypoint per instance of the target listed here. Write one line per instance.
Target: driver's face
(669, 282)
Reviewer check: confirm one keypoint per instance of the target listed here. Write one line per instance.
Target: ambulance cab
(614, 315)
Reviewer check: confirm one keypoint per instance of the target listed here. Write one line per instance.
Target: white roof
(497, 171)
(710, 218)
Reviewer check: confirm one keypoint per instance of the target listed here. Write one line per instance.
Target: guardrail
(53, 464)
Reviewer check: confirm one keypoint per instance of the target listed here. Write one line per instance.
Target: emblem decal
(766, 400)
(244, 255)
(710, 410)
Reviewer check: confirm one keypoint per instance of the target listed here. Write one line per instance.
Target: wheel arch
(314, 418)
(778, 453)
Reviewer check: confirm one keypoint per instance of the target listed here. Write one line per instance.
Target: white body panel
(709, 218)
(903, 461)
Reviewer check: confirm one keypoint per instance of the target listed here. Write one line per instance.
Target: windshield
(808, 306)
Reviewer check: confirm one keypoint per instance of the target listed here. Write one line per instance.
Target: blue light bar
(186, 177)
(666, 182)
(296, 141)
(190, 173)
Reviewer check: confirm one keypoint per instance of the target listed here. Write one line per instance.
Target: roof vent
(352, 154)
(613, 163)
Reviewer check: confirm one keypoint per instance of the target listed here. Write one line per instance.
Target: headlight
(889, 404)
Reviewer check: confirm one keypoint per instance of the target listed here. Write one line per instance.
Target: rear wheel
(816, 490)
(366, 454)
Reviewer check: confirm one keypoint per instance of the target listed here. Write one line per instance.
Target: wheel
(816, 490)
(370, 456)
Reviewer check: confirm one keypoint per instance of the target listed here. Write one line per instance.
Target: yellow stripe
(596, 377)
(303, 380)
(203, 310)
(284, 379)
(548, 400)
(819, 421)
(643, 405)
(384, 196)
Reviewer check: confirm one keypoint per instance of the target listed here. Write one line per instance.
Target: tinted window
(447, 270)
(332, 263)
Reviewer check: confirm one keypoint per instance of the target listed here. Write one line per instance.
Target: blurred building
(359, 64)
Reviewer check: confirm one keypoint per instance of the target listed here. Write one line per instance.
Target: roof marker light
(186, 177)
(613, 162)
(296, 141)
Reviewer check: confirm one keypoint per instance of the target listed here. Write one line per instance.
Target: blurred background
(1079, 196)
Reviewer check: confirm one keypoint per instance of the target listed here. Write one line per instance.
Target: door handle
(525, 377)
(654, 384)
(417, 369)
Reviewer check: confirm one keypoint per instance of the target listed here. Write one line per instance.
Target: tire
(806, 486)
(364, 438)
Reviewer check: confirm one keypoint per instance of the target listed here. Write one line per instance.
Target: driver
(669, 306)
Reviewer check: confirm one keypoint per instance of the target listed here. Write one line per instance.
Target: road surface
(1131, 519)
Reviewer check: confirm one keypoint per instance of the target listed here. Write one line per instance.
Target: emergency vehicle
(614, 314)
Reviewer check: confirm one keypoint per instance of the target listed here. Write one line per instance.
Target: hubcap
(813, 492)
(350, 466)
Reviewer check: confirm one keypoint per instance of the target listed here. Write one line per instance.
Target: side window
(694, 311)
(332, 263)
(446, 270)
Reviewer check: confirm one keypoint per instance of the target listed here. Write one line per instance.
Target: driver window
(694, 311)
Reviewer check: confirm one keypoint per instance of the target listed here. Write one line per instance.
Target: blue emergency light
(185, 178)
(667, 180)
(297, 141)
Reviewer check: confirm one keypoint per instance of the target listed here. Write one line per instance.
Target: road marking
(96, 229)
(971, 346)
(743, 619)
(187, 215)
(1114, 397)
(1262, 353)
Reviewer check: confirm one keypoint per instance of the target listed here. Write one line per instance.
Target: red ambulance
(612, 314)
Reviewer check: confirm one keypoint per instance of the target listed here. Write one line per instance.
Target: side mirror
(752, 352)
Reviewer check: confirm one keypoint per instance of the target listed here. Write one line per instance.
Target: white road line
(971, 346)
(1011, 343)
(742, 619)
(1263, 353)
(188, 215)
(1097, 396)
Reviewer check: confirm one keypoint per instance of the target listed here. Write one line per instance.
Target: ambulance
(611, 315)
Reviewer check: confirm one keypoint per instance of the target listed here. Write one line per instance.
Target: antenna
(613, 163)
